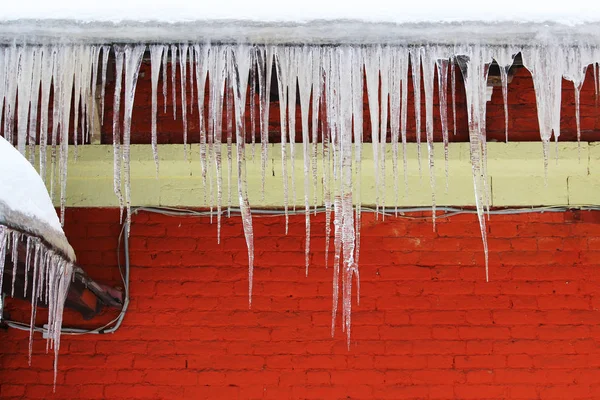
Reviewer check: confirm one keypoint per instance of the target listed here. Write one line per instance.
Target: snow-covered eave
(322, 32)
(27, 224)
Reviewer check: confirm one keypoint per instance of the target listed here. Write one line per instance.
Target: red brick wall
(428, 325)
(523, 121)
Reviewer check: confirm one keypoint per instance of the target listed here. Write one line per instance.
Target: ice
(317, 78)
(265, 67)
(239, 75)
(546, 64)
(173, 79)
(105, 54)
(383, 104)
(217, 64)
(282, 62)
(229, 127)
(116, 125)
(504, 56)
(428, 60)
(577, 60)
(372, 68)
(133, 60)
(475, 67)
(304, 58)
(183, 53)
(32, 133)
(453, 84)
(164, 77)
(327, 80)
(201, 60)
(395, 82)
(415, 63)
(442, 73)
(252, 84)
(357, 113)
(156, 56)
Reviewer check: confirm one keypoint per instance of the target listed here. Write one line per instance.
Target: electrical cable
(447, 212)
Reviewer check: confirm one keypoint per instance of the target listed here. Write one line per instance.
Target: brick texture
(523, 121)
(428, 326)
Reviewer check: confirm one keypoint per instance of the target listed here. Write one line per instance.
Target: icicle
(68, 59)
(201, 56)
(4, 244)
(504, 58)
(105, 53)
(156, 55)
(442, 71)
(475, 69)
(304, 62)
(229, 120)
(253, 56)
(453, 83)
(402, 60)
(76, 100)
(596, 80)
(48, 58)
(326, 133)
(415, 62)
(24, 77)
(183, 50)
(28, 247)
(395, 81)
(383, 104)
(165, 60)
(317, 78)
(94, 86)
(292, 77)
(372, 62)
(357, 113)
(173, 79)
(216, 70)
(16, 238)
(577, 60)
(428, 59)
(240, 70)
(34, 294)
(282, 60)
(192, 71)
(10, 97)
(133, 60)
(265, 67)
(546, 65)
(117, 151)
(33, 109)
(46, 264)
(339, 116)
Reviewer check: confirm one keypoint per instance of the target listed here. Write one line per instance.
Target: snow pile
(24, 201)
(31, 237)
(275, 11)
(328, 80)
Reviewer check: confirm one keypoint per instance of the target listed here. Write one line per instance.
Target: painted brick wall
(428, 325)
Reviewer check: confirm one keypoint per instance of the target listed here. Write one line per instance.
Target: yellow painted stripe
(515, 173)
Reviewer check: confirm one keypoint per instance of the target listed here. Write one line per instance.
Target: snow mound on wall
(576, 12)
(24, 201)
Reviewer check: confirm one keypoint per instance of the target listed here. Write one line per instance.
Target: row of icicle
(51, 276)
(328, 80)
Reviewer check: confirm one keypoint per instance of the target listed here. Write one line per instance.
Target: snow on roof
(25, 203)
(393, 11)
(300, 22)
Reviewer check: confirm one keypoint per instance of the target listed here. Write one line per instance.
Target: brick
(426, 326)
